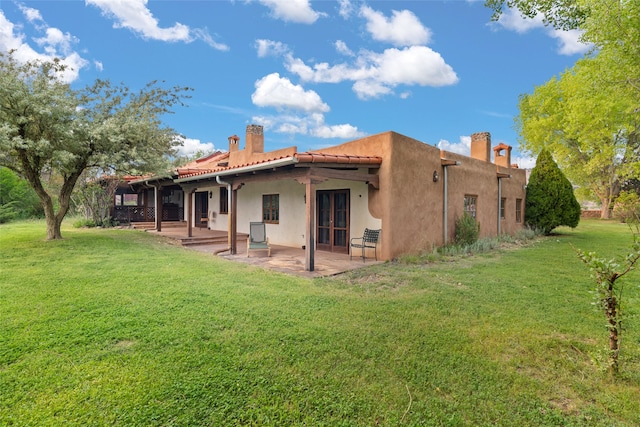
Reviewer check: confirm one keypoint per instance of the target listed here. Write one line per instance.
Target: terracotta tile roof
(306, 157)
(312, 157)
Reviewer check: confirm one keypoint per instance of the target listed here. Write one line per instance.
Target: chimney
(255, 139)
(501, 159)
(481, 146)
(233, 143)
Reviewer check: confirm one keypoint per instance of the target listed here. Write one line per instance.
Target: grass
(118, 327)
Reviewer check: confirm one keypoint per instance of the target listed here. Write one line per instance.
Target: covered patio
(283, 259)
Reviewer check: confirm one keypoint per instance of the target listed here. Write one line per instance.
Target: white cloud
(54, 43)
(342, 48)
(568, 41)
(135, 16)
(461, 147)
(305, 110)
(376, 74)
(402, 29)
(191, 146)
(512, 19)
(345, 8)
(524, 162)
(55, 40)
(204, 35)
(32, 15)
(298, 11)
(278, 92)
(270, 48)
(310, 125)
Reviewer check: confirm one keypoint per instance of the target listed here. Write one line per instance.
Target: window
(271, 208)
(470, 205)
(130, 200)
(518, 210)
(503, 203)
(224, 200)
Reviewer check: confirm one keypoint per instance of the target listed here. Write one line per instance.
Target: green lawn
(120, 327)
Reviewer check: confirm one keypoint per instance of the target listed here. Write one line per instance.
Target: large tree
(48, 128)
(591, 127)
(589, 116)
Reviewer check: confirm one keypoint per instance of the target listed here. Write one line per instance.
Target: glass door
(333, 220)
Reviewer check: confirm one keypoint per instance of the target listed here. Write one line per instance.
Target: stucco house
(319, 200)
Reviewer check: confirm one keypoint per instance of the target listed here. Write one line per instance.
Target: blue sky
(313, 73)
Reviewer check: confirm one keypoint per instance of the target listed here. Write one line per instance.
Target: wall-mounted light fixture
(210, 194)
(436, 177)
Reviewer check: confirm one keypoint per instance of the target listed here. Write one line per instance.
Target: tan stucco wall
(411, 205)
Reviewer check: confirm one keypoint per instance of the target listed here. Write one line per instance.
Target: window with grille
(470, 204)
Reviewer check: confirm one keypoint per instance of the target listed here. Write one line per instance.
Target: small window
(271, 208)
(224, 200)
(470, 203)
(130, 200)
(518, 210)
(503, 203)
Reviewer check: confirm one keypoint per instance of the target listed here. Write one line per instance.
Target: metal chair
(258, 238)
(369, 239)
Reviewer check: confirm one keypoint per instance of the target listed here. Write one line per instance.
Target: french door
(333, 220)
(202, 208)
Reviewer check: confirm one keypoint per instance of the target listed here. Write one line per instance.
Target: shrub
(467, 230)
(8, 212)
(89, 223)
(550, 198)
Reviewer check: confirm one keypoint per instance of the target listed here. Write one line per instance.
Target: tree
(94, 196)
(589, 116)
(607, 274)
(550, 200)
(598, 147)
(46, 127)
(561, 14)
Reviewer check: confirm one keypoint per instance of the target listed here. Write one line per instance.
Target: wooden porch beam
(324, 174)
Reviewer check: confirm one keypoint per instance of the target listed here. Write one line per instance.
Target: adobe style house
(321, 199)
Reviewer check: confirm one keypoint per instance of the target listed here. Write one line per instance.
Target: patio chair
(369, 239)
(258, 238)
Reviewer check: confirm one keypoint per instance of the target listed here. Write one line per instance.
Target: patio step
(152, 225)
(209, 240)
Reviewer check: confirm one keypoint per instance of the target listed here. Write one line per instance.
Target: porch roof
(217, 166)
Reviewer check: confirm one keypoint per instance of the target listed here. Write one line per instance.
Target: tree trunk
(612, 319)
(605, 213)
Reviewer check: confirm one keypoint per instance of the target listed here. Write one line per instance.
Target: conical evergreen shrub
(550, 199)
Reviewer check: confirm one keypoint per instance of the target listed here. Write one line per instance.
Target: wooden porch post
(189, 212)
(233, 219)
(158, 207)
(310, 195)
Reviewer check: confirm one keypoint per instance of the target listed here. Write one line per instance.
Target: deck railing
(145, 214)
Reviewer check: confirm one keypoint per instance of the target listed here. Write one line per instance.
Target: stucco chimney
(255, 139)
(233, 143)
(500, 158)
(481, 146)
